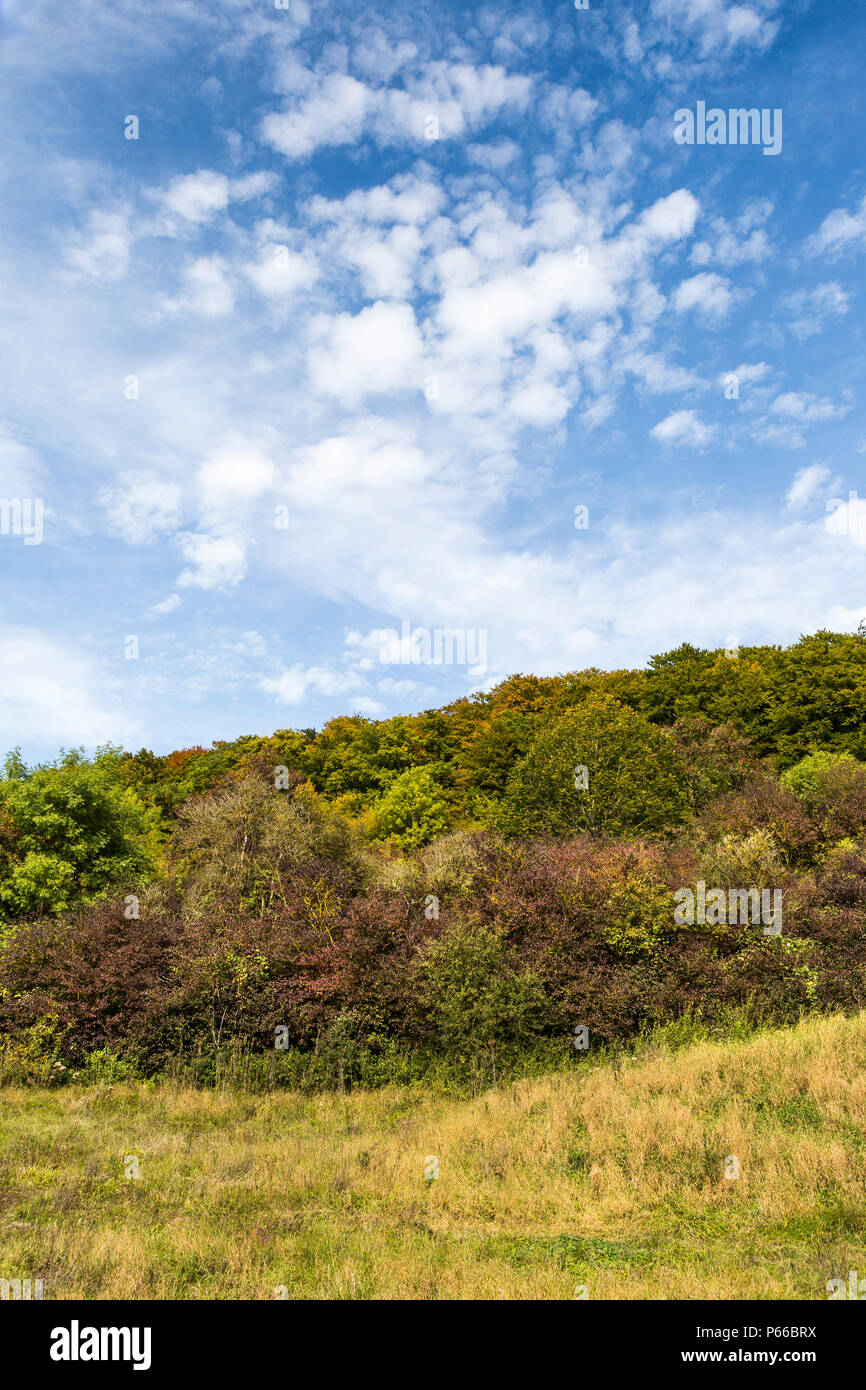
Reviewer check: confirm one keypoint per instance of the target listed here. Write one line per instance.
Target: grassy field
(612, 1178)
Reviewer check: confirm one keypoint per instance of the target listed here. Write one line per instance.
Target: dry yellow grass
(612, 1178)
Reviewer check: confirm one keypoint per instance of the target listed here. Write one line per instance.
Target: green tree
(601, 768)
(412, 811)
(808, 777)
(71, 834)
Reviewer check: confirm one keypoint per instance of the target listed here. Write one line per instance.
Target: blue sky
(376, 298)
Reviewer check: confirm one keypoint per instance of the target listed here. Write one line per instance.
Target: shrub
(763, 804)
(639, 917)
(833, 787)
(242, 841)
(448, 866)
(743, 861)
(806, 778)
(476, 997)
(32, 1058)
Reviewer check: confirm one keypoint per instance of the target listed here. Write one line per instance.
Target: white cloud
(739, 242)
(809, 310)
(496, 156)
(196, 198)
(659, 376)
(841, 230)
(363, 704)
(294, 684)
(376, 351)
(337, 109)
(790, 413)
(279, 273)
(101, 252)
(411, 199)
(805, 407)
(746, 373)
(141, 507)
(214, 562)
(847, 518)
(671, 217)
(716, 24)
(207, 290)
(332, 115)
(236, 473)
(683, 429)
(806, 484)
(708, 293)
(168, 605)
(51, 685)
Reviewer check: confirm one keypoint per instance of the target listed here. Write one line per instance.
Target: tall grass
(608, 1176)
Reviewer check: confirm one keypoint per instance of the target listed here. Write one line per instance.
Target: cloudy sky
(374, 301)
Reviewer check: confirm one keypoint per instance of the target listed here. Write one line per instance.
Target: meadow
(604, 1180)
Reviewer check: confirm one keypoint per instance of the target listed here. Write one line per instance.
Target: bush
(477, 999)
(763, 804)
(242, 841)
(743, 861)
(640, 915)
(833, 788)
(807, 777)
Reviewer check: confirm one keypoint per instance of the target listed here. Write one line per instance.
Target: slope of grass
(611, 1177)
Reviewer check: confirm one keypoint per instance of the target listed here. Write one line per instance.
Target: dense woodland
(437, 893)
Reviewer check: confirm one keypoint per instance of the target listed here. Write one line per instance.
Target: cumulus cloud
(841, 230)
(279, 273)
(806, 484)
(193, 199)
(101, 250)
(683, 429)
(809, 310)
(716, 25)
(206, 289)
(805, 407)
(141, 507)
(293, 685)
(709, 294)
(238, 472)
(167, 605)
(746, 373)
(214, 562)
(376, 351)
(440, 101)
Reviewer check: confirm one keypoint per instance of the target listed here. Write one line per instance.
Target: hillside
(610, 1176)
(784, 701)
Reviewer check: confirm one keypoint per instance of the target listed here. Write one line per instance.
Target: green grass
(608, 1176)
